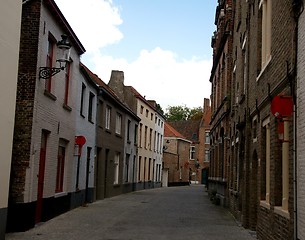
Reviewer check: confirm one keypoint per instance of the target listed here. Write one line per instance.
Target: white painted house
(43, 174)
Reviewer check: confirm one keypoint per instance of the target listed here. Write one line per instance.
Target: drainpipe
(297, 7)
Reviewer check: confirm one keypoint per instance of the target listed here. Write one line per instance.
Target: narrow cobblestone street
(162, 213)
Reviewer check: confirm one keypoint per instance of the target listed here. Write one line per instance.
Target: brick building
(197, 131)
(150, 132)
(221, 78)
(259, 143)
(10, 23)
(300, 129)
(116, 153)
(84, 160)
(176, 158)
(41, 181)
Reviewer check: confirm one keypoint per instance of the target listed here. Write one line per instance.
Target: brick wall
(25, 98)
(301, 130)
(271, 223)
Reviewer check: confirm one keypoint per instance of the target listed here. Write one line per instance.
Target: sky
(162, 46)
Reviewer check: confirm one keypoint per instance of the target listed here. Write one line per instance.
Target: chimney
(206, 105)
(117, 76)
(116, 83)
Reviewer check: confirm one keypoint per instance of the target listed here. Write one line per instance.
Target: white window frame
(207, 137)
(116, 168)
(192, 152)
(207, 155)
(118, 124)
(266, 6)
(108, 117)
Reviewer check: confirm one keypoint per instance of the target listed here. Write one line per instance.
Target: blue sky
(163, 46)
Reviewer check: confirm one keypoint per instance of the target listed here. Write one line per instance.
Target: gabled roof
(139, 96)
(169, 131)
(57, 14)
(106, 89)
(189, 128)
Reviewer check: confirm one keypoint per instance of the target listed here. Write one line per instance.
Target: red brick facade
(241, 118)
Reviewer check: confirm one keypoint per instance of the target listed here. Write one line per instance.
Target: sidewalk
(175, 213)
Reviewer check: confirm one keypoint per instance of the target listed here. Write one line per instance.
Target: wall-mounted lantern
(64, 45)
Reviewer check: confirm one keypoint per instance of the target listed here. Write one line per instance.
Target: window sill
(265, 204)
(108, 130)
(280, 211)
(263, 69)
(118, 135)
(50, 95)
(60, 194)
(68, 108)
(90, 121)
(82, 115)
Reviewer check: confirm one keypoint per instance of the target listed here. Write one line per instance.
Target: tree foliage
(178, 113)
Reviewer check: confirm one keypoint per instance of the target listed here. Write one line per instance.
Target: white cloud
(161, 76)
(95, 22)
(157, 74)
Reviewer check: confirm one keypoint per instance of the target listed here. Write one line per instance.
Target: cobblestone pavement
(176, 213)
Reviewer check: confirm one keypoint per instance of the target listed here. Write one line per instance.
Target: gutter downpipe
(295, 223)
(298, 7)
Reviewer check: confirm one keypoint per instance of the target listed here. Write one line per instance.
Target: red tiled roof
(189, 128)
(102, 84)
(169, 131)
(52, 6)
(138, 95)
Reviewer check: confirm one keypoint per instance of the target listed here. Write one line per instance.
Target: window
(265, 11)
(128, 130)
(118, 123)
(149, 169)
(142, 109)
(100, 113)
(127, 168)
(90, 110)
(67, 83)
(116, 168)
(285, 166)
(136, 134)
(151, 116)
(150, 139)
(49, 62)
(254, 129)
(82, 99)
(207, 137)
(60, 166)
(108, 116)
(145, 138)
(245, 67)
(161, 140)
(192, 152)
(147, 112)
(139, 169)
(155, 139)
(158, 141)
(207, 155)
(265, 194)
(140, 134)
